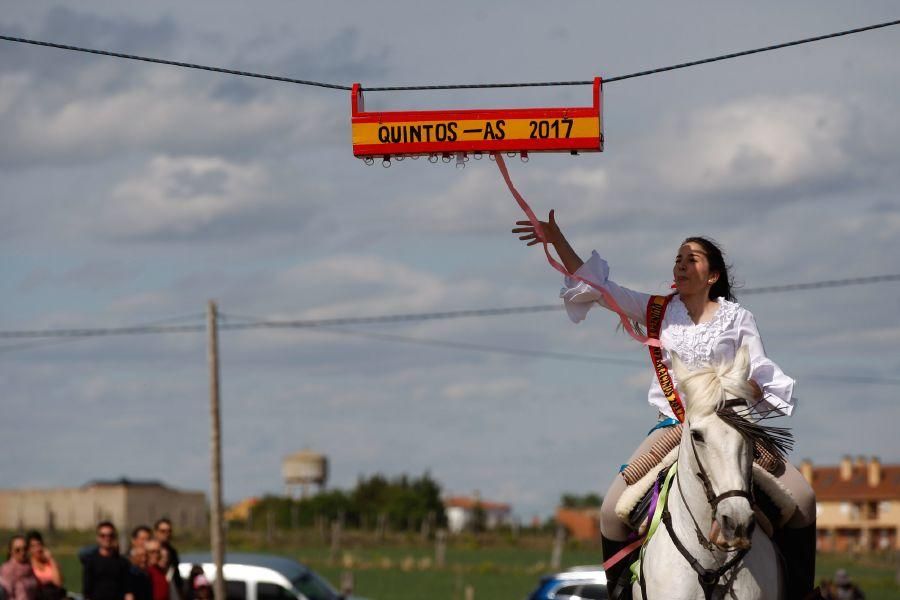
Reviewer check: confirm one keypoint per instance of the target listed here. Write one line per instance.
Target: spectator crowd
(148, 570)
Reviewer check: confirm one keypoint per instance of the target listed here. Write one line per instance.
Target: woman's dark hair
(34, 535)
(722, 288)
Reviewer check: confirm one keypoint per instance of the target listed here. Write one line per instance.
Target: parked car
(577, 583)
(263, 577)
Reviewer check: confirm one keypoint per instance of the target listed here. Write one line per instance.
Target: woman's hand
(550, 231)
(550, 234)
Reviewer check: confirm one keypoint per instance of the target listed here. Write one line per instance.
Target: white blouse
(698, 344)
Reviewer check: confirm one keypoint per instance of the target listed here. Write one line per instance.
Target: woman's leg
(611, 526)
(614, 532)
(803, 495)
(797, 539)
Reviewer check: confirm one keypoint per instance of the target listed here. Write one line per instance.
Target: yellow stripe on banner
(474, 131)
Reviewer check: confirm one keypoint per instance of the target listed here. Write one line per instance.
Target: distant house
(125, 502)
(857, 504)
(581, 523)
(461, 513)
(240, 511)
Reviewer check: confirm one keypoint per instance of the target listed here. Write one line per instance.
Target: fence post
(440, 551)
(558, 541)
(335, 540)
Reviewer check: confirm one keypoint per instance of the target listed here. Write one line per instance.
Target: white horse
(708, 548)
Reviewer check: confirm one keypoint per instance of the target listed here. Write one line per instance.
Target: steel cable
(450, 86)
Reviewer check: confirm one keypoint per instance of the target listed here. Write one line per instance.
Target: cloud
(181, 196)
(63, 108)
(165, 112)
(759, 144)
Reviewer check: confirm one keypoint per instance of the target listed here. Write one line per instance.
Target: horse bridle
(708, 578)
(711, 497)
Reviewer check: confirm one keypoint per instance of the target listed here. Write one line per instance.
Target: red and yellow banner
(401, 133)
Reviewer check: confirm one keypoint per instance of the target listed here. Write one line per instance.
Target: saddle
(774, 503)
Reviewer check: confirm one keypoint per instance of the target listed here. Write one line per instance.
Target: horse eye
(697, 437)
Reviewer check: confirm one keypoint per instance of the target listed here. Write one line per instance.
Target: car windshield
(314, 587)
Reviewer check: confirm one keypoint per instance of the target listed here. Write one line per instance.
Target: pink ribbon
(607, 297)
(618, 556)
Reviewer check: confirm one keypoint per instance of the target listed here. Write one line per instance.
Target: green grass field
(497, 567)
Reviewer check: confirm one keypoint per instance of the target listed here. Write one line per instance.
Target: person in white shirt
(702, 324)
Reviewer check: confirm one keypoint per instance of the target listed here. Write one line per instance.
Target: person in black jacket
(105, 571)
(139, 580)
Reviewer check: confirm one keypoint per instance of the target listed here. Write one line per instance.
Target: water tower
(301, 469)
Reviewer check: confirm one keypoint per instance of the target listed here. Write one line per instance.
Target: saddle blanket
(774, 502)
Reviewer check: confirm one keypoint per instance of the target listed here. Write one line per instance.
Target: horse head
(717, 452)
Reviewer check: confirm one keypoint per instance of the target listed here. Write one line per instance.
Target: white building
(125, 502)
(461, 511)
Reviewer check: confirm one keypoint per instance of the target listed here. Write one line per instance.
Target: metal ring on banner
(607, 297)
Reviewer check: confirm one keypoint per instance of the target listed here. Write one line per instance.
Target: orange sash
(656, 310)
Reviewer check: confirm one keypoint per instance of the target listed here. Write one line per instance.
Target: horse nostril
(728, 523)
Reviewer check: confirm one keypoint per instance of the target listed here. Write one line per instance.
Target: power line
(173, 63)
(441, 87)
(262, 323)
(816, 285)
(566, 356)
(490, 349)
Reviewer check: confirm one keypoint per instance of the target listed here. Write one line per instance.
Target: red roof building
(461, 512)
(857, 504)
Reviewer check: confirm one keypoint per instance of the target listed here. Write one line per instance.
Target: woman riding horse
(703, 325)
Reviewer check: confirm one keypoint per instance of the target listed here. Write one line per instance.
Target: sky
(134, 193)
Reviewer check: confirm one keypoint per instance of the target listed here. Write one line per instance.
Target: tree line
(401, 503)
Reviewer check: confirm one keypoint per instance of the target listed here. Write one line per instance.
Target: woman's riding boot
(798, 547)
(618, 576)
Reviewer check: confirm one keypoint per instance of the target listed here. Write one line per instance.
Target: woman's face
(36, 549)
(19, 550)
(691, 270)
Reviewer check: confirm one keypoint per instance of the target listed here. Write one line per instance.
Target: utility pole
(216, 532)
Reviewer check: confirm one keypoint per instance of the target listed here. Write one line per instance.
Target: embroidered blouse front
(715, 340)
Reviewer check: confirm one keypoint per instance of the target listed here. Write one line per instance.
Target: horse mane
(706, 387)
(707, 390)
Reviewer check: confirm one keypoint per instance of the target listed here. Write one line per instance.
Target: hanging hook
(432, 158)
(461, 160)
(523, 157)
(492, 157)
(477, 155)
(511, 154)
(386, 162)
(399, 157)
(369, 160)
(445, 158)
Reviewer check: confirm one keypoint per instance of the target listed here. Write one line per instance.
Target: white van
(262, 577)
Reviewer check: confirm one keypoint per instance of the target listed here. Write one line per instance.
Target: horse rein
(708, 578)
